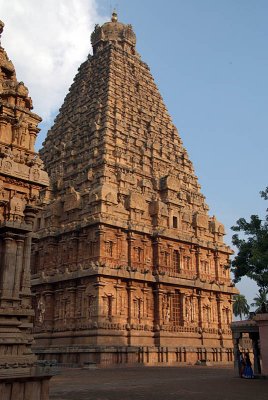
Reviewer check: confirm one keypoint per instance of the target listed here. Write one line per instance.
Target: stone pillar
(262, 322)
(156, 260)
(199, 304)
(145, 251)
(146, 292)
(33, 134)
(194, 304)
(99, 285)
(216, 261)
(8, 266)
(182, 308)
(130, 240)
(26, 278)
(100, 243)
(197, 258)
(19, 266)
(256, 352)
(158, 304)
(236, 337)
(130, 290)
(219, 302)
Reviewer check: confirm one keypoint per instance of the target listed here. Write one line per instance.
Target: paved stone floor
(183, 383)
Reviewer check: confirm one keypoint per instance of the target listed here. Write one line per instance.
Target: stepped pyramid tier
(21, 178)
(127, 260)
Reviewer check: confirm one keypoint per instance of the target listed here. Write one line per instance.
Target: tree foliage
(240, 306)
(252, 257)
(260, 301)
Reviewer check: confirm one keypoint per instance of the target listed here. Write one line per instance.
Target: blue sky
(209, 59)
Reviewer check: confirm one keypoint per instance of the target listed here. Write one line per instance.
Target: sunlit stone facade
(128, 266)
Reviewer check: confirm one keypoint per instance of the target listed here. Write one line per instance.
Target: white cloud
(47, 40)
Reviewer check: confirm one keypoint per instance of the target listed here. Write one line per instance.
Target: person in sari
(248, 372)
(241, 363)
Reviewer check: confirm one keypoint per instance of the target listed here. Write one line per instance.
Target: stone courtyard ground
(182, 383)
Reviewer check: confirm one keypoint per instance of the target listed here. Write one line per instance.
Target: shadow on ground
(182, 383)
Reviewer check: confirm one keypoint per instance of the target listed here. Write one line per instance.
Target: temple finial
(114, 16)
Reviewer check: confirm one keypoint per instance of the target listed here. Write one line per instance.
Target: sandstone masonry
(127, 267)
(21, 178)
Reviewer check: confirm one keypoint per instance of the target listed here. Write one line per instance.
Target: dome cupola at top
(113, 32)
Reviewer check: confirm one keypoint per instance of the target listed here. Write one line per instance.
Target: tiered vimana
(128, 267)
(21, 178)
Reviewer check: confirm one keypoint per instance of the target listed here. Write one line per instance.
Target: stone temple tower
(127, 267)
(21, 178)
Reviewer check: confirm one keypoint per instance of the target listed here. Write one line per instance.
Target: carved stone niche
(215, 226)
(170, 183)
(105, 193)
(145, 185)
(136, 201)
(187, 217)
(72, 200)
(158, 208)
(17, 206)
(200, 221)
(20, 131)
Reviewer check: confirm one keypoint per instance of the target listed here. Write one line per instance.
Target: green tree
(260, 301)
(252, 257)
(240, 306)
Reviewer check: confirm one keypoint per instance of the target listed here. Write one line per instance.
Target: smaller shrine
(255, 330)
(21, 179)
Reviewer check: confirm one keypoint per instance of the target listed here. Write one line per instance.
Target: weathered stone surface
(127, 255)
(21, 179)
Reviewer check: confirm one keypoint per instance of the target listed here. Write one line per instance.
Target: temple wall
(24, 389)
(105, 356)
(126, 254)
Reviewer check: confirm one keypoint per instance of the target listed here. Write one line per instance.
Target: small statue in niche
(189, 309)
(20, 130)
(166, 309)
(167, 317)
(41, 309)
(17, 205)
